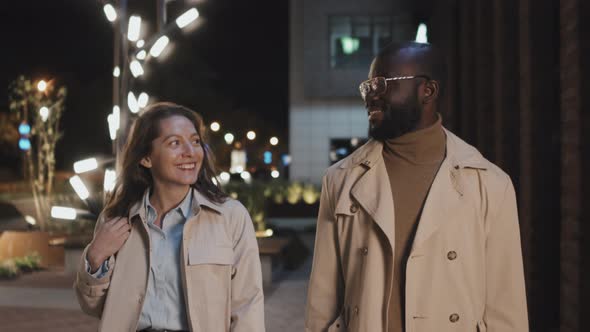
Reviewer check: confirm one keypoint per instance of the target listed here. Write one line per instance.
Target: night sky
(233, 65)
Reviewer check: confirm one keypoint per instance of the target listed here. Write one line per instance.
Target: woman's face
(177, 154)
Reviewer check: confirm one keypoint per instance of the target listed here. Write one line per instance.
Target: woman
(171, 252)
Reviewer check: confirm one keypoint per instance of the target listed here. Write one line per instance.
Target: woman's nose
(188, 149)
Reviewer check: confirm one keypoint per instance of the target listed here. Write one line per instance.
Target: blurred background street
(276, 82)
(45, 301)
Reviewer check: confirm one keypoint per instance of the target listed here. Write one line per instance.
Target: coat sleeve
(90, 291)
(506, 305)
(247, 298)
(325, 292)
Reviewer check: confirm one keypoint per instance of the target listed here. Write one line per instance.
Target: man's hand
(108, 239)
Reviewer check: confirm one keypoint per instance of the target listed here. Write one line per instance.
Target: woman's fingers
(121, 223)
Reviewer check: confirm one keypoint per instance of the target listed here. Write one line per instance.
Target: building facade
(332, 43)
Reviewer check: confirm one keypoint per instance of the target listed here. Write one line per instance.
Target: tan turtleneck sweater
(412, 161)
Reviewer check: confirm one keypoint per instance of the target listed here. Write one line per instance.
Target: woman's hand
(108, 239)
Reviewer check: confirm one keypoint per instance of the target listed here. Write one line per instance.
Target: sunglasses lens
(374, 86)
(364, 89)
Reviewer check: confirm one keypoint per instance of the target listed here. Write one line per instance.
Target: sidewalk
(45, 301)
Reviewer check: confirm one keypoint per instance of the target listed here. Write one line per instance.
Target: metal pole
(116, 63)
(124, 81)
(161, 14)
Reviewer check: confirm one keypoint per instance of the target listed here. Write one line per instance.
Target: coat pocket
(338, 325)
(481, 326)
(216, 255)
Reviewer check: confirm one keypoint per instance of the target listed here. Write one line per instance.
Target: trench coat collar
(199, 200)
(463, 154)
(373, 192)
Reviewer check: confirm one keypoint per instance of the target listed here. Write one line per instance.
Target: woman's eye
(174, 143)
(197, 141)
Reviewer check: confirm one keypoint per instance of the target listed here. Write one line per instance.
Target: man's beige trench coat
(464, 272)
(220, 269)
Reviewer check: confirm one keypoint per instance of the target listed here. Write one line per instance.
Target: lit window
(355, 40)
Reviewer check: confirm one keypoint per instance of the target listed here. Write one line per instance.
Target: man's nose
(374, 101)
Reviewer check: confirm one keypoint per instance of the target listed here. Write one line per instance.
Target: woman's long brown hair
(135, 179)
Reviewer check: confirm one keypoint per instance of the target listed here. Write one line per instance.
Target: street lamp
(110, 12)
(229, 138)
(142, 100)
(141, 55)
(110, 177)
(274, 141)
(215, 126)
(134, 28)
(136, 68)
(24, 129)
(186, 18)
(114, 121)
(246, 176)
(85, 165)
(251, 135)
(159, 46)
(224, 177)
(112, 128)
(44, 112)
(129, 53)
(422, 34)
(132, 103)
(62, 212)
(42, 85)
(79, 187)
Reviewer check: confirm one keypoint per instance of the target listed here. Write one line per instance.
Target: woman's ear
(146, 162)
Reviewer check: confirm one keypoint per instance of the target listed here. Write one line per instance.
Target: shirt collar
(189, 206)
(184, 207)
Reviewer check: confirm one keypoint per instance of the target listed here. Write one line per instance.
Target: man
(416, 232)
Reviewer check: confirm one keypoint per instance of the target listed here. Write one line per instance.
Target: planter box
(18, 244)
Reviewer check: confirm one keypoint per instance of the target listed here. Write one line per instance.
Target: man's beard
(397, 120)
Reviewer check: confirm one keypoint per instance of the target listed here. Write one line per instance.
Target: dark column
(574, 183)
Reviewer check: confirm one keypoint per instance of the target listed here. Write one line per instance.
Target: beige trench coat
(220, 269)
(464, 272)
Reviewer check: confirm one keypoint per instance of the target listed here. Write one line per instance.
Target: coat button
(356, 310)
(365, 251)
(354, 208)
(454, 318)
(452, 255)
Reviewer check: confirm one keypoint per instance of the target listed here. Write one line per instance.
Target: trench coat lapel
(373, 192)
(445, 198)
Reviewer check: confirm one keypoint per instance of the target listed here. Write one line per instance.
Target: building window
(355, 40)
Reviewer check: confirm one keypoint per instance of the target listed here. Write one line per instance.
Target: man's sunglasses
(378, 85)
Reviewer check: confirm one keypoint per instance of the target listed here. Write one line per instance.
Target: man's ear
(146, 162)
(431, 91)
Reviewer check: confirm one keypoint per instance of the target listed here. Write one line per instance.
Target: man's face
(398, 110)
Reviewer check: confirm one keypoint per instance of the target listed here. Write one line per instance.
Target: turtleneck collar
(424, 146)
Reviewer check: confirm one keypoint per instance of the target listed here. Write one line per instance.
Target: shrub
(29, 263)
(8, 269)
